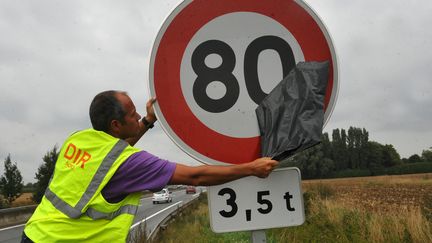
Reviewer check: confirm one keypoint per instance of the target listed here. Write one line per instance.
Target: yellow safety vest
(73, 208)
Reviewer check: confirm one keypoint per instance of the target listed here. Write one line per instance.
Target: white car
(162, 196)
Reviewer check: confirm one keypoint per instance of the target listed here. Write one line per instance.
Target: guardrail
(140, 233)
(17, 215)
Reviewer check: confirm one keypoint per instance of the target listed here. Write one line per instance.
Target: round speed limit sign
(213, 61)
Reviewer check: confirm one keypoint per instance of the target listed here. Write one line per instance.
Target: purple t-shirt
(141, 171)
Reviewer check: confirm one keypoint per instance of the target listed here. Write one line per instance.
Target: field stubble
(367, 209)
(373, 209)
(380, 193)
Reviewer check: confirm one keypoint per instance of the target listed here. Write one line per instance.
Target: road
(148, 216)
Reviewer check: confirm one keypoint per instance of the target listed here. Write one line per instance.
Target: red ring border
(174, 41)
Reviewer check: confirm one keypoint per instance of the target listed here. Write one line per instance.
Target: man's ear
(115, 126)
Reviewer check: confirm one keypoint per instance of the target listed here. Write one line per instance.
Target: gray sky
(56, 55)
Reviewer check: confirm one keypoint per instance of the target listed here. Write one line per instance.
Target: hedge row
(412, 168)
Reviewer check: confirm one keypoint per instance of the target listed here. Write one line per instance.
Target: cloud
(385, 79)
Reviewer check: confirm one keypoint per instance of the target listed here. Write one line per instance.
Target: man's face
(131, 126)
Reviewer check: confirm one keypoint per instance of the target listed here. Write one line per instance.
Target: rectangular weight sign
(252, 203)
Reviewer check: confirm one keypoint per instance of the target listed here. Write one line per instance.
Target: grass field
(368, 209)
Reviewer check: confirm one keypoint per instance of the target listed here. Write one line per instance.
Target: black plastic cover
(291, 117)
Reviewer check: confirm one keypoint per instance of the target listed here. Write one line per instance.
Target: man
(99, 176)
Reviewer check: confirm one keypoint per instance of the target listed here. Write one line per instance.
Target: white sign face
(253, 203)
(237, 31)
(214, 61)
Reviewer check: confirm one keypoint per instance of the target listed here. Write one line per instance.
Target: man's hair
(104, 108)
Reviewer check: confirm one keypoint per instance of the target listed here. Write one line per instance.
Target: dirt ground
(380, 193)
(23, 200)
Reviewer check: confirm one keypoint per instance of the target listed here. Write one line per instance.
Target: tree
(313, 164)
(44, 174)
(326, 145)
(353, 147)
(427, 155)
(339, 150)
(390, 156)
(29, 187)
(11, 182)
(363, 148)
(327, 167)
(415, 158)
(374, 157)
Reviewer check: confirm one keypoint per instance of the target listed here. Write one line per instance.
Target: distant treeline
(350, 154)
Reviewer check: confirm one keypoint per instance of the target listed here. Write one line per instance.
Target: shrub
(3, 202)
(413, 168)
(351, 173)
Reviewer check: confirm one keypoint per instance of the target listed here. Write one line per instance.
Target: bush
(351, 173)
(3, 202)
(413, 168)
(28, 188)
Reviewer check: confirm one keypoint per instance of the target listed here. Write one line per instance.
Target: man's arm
(208, 175)
(150, 117)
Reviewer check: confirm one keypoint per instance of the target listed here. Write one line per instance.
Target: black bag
(291, 117)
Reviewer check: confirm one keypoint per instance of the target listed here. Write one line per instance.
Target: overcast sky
(56, 55)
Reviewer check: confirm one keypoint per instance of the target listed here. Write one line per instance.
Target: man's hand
(150, 117)
(262, 167)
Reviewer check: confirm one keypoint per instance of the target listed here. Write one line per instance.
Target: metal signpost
(212, 63)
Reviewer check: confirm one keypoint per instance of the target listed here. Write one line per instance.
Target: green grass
(326, 221)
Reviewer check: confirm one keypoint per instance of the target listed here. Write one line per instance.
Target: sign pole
(258, 236)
